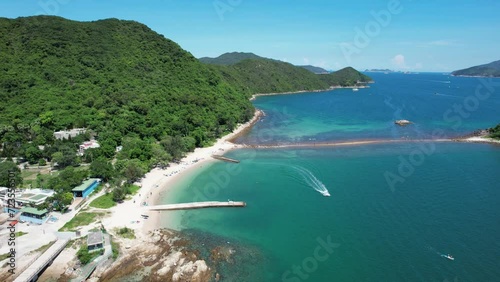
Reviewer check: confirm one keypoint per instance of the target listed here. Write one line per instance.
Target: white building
(92, 144)
(66, 134)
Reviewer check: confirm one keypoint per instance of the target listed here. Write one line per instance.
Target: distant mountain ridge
(271, 76)
(488, 70)
(314, 69)
(231, 58)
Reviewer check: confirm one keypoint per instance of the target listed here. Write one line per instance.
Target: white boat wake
(310, 180)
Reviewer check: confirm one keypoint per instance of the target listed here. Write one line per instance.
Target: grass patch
(85, 256)
(20, 233)
(43, 248)
(29, 173)
(81, 219)
(115, 248)
(103, 202)
(133, 189)
(126, 233)
(6, 255)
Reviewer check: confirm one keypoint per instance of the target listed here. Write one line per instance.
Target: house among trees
(92, 144)
(95, 241)
(33, 215)
(87, 187)
(66, 134)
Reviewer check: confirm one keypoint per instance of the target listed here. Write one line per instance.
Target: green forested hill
(131, 87)
(122, 80)
(271, 76)
(314, 69)
(345, 77)
(491, 70)
(227, 59)
(110, 75)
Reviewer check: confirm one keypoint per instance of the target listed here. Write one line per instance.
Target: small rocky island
(402, 122)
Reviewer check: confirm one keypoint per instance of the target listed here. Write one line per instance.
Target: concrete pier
(196, 205)
(222, 158)
(33, 271)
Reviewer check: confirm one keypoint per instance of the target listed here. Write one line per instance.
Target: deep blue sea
(394, 209)
(452, 105)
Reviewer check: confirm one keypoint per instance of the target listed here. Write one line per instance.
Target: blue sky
(421, 35)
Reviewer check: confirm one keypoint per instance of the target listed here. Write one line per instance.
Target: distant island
(487, 70)
(378, 70)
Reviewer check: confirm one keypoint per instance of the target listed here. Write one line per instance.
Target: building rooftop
(36, 196)
(65, 134)
(34, 211)
(95, 238)
(84, 185)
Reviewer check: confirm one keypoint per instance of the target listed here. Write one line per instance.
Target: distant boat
(355, 89)
(325, 193)
(448, 257)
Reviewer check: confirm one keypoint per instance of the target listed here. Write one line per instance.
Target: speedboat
(326, 194)
(448, 257)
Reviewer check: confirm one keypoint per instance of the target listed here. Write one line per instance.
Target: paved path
(32, 272)
(196, 205)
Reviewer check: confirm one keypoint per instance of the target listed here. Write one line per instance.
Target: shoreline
(157, 182)
(371, 142)
(254, 96)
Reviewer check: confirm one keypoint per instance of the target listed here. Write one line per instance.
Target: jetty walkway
(196, 205)
(226, 159)
(33, 271)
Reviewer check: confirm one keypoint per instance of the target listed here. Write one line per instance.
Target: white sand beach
(481, 139)
(158, 181)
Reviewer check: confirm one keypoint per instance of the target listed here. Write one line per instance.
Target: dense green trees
(495, 132)
(111, 76)
(67, 179)
(268, 76)
(10, 174)
(130, 87)
(101, 168)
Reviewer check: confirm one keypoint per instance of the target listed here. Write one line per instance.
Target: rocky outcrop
(402, 122)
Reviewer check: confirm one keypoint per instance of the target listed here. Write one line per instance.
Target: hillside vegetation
(489, 70)
(130, 87)
(494, 132)
(232, 58)
(111, 76)
(314, 69)
(271, 76)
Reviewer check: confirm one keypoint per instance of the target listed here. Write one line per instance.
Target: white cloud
(399, 61)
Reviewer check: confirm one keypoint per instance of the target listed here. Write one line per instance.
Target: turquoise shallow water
(455, 105)
(445, 200)
(450, 204)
